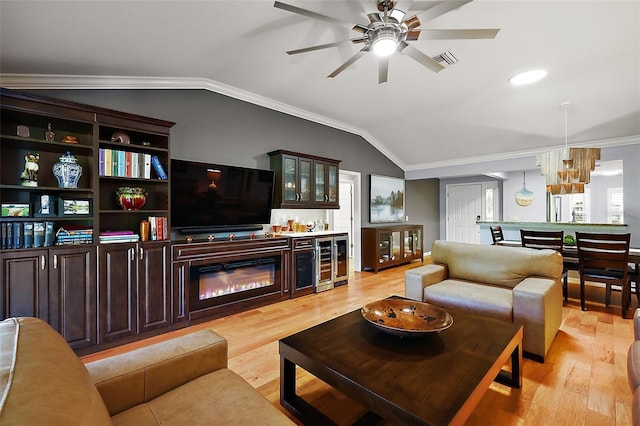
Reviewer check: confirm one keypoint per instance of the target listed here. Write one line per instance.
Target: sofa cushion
(148, 372)
(497, 265)
(43, 381)
(221, 397)
(487, 300)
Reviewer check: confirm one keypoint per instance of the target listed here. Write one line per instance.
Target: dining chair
(604, 258)
(552, 240)
(496, 234)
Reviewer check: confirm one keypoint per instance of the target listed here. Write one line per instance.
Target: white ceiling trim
(51, 81)
(628, 140)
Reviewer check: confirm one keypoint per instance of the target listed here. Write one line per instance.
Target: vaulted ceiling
(419, 119)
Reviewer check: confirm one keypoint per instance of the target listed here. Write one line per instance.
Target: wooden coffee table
(437, 379)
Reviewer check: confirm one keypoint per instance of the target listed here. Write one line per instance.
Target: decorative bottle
(67, 171)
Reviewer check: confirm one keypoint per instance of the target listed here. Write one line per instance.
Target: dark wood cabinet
(72, 294)
(57, 285)
(116, 291)
(25, 284)
(391, 245)
(134, 289)
(154, 291)
(305, 181)
(58, 280)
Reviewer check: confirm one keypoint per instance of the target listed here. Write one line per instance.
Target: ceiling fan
(388, 31)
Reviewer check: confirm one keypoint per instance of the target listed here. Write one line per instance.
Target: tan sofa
(514, 284)
(183, 381)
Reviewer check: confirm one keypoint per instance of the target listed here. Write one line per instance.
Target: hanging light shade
(567, 170)
(524, 197)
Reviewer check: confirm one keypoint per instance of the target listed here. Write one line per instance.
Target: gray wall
(422, 207)
(215, 128)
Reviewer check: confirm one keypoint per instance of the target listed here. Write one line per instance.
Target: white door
(464, 210)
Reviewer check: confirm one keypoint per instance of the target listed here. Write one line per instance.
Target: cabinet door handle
(141, 253)
(132, 254)
(43, 262)
(55, 261)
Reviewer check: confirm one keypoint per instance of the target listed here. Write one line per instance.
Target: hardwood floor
(582, 382)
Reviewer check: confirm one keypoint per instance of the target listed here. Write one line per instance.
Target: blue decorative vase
(67, 171)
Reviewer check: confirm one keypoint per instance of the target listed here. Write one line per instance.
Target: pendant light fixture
(524, 197)
(568, 170)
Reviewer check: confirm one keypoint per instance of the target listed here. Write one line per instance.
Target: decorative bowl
(131, 198)
(406, 318)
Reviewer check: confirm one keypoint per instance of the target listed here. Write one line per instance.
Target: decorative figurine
(67, 171)
(29, 176)
(49, 135)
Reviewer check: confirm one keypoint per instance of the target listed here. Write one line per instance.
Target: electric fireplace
(219, 283)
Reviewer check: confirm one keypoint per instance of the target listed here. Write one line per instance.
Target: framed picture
(44, 205)
(386, 199)
(14, 210)
(74, 207)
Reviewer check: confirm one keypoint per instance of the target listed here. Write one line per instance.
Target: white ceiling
(419, 119)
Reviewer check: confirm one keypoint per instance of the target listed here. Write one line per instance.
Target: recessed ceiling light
(527, 77)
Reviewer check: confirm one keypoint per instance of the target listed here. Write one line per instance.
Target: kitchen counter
(310, 234)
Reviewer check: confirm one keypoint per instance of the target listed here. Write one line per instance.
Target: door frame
(356, 179)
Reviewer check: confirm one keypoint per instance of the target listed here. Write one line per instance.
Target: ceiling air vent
(445, 58)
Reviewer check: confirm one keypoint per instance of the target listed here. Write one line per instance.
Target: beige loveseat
(514, 284)
(183, 381)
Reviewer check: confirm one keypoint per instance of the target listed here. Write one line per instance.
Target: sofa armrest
(416, 279)
(135, 377)
(537, 304)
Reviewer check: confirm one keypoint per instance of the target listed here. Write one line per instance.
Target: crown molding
(78, 82)
(604, 143)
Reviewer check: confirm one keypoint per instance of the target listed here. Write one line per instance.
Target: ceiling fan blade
(433, 34)
(349, 61)
(322, 46)
(420, 57)
(383, 69)
(429, 12)
(309, 14)
(413, 35)
(360, 28)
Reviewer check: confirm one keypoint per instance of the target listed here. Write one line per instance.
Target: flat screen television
(215, 198)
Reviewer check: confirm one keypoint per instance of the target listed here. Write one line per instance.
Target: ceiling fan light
(385, 46)
(528, 77)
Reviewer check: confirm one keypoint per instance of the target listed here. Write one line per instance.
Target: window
(489, 196)
(615, 206)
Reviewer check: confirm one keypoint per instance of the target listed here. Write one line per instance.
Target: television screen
(213, 197)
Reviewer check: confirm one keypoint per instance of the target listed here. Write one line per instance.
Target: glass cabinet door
(320, 182)
(305, 180)
(332, 190)
(412, 243)
(289, 178)
(384, 247)
(395, 237)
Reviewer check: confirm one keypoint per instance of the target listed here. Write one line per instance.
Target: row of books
(118, 163)
(17, 235)
(158, 228)
(107, 237)
(75, 235)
